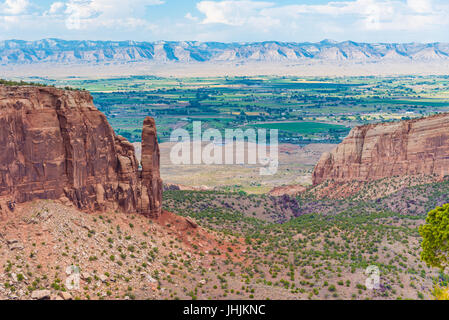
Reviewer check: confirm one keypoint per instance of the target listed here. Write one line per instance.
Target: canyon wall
(376, 151)
(54, 144)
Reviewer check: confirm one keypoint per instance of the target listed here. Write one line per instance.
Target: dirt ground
(295, 167)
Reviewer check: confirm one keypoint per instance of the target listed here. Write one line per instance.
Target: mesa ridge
(376, 151)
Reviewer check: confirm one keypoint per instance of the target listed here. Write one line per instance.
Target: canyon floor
(319, 248)
(295, 167)
(238, 251)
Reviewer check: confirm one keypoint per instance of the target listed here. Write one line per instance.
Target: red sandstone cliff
(376, 151)
(151, 182)
(55, 144)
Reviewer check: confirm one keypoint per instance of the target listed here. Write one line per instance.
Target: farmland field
(302, 127)
(336, 104)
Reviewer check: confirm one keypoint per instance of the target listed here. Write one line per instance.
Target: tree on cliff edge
(435, 235)
(435, 244)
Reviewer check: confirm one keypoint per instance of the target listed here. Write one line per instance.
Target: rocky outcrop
(151, 181)
(292, 190)
(376, 151)
(54, 144)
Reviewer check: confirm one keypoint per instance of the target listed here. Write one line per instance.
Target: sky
(227, 20)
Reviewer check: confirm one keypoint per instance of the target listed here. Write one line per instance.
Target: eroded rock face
(55, 144)
(376, 151)
(151, 180)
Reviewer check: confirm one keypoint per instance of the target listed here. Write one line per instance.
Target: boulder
(41, 294)
(65, 295)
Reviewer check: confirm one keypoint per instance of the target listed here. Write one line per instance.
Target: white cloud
(366, 14)
(232, 12)
(421, 6)
(57, 8)
(86, 14)
(14, 7)
(190, 17)
(228, 20)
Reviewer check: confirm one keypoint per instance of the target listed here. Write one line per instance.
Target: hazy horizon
(227, 42)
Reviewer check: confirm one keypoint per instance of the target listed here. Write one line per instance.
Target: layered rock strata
(55, 144)
(377, 151)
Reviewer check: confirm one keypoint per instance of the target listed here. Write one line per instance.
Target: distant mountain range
(70, 52)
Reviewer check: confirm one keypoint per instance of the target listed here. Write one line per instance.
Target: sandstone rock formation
(292, 190)
(55, 144)
(151, 182)
(376, 151)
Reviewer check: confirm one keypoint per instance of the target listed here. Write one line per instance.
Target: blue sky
(227, 20)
